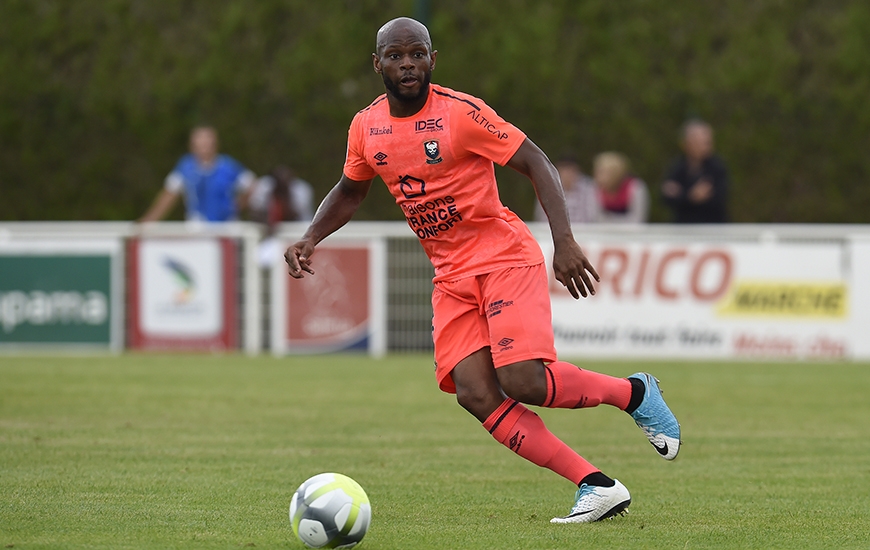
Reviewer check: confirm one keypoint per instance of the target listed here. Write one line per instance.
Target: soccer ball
(330, 511)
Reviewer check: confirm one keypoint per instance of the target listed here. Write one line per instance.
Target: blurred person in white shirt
(580, 194)
(279, 196)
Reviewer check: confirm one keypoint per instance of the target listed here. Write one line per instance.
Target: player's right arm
(337, 209)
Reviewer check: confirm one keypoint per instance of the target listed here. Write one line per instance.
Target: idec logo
(671, 273)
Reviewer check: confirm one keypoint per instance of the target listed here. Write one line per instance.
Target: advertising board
(339, 308)
(710, 300)
(183, 293)
(54, 294)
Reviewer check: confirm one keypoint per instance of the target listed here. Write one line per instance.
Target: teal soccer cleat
(594, 503)
(656, 420)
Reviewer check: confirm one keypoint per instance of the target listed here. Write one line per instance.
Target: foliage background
(97, 96)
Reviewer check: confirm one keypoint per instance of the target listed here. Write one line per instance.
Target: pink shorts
(507, 311)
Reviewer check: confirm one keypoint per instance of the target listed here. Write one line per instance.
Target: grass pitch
(205, 452)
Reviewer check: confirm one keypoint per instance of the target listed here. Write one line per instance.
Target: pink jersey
(438, 164)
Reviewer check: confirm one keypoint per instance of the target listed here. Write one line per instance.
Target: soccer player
(494, 347)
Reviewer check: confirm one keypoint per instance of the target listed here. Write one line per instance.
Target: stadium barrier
(776, 291)
(175, 285)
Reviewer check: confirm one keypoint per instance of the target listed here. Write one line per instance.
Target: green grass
(204, 452)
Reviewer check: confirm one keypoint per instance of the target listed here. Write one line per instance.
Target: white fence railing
(746, 289)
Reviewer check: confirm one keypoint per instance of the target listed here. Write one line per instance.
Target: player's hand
(671, 189)
(298, 258)
(573, 269)
(701, 191)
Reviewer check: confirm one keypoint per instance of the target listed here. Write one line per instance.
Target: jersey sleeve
(243, 178)
(355, 165)
(484, 133)
(174, 181)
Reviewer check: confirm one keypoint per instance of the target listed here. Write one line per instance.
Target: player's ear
(432, 59)
(376, 62)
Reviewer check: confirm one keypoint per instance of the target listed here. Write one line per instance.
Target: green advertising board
(51, 297)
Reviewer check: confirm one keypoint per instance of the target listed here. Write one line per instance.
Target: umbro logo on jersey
(429, 125)
(433, 151)
(379, 156)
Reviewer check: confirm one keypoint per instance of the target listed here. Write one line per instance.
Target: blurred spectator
(579, 193)
(622, 197)
(696, 186)
(215, 186)
(280, 196)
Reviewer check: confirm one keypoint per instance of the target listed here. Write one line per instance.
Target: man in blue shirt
(214, 186)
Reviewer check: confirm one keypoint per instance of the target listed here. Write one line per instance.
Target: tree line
(97, 96)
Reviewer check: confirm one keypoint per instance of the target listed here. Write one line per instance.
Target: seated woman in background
(622, 197)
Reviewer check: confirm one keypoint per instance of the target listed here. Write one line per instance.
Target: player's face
(405, 63)
(204, 144)
(699, 141)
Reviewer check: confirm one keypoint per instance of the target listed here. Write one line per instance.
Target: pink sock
(523, 432)
(570, 387)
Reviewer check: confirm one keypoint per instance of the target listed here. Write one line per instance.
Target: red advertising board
(332, 310)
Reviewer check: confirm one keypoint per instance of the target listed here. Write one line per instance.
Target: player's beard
(396, 91)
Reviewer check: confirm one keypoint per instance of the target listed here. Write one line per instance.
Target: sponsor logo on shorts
(505, 344)
(495, 307)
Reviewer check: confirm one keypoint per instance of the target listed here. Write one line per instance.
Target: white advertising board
(183, 291)
(859, 313)
(710, 300)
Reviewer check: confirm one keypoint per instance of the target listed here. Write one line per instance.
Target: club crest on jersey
(433, 151)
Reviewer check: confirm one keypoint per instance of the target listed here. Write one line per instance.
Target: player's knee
(479, 401)
(524, 381)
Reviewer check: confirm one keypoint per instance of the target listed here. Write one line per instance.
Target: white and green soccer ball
(330, 511)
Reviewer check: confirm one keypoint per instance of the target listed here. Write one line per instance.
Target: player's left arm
(570, 264)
